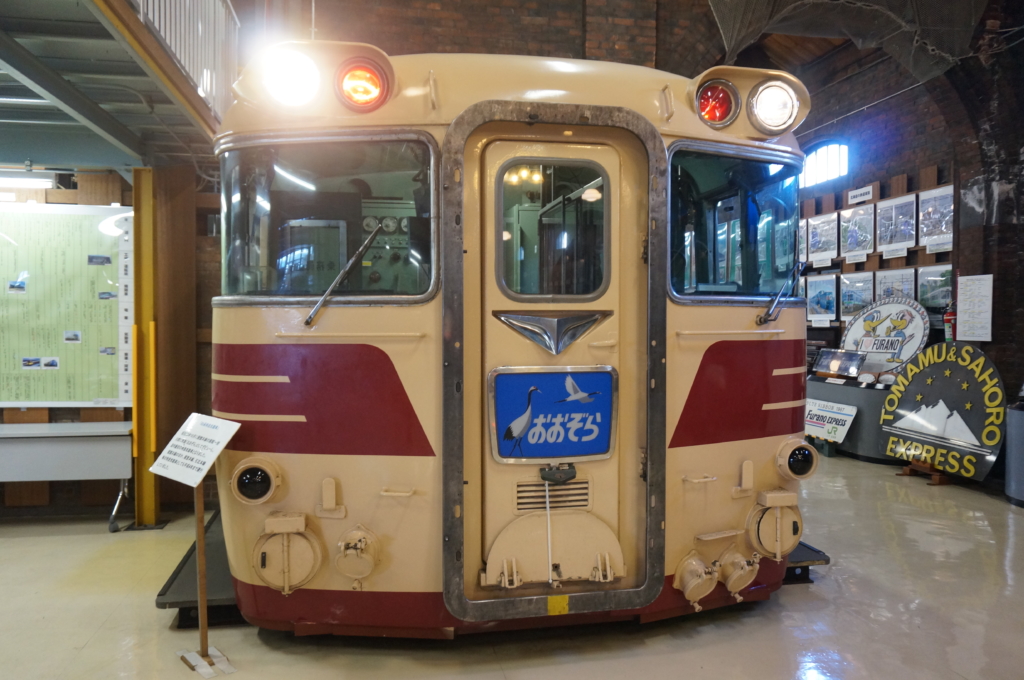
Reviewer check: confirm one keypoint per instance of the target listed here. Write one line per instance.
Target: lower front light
(255, 480)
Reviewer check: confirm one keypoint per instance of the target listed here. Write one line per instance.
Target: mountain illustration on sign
(575, 393)
(937, 420)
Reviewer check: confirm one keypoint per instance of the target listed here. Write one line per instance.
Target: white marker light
(290, 76)
(773, 106)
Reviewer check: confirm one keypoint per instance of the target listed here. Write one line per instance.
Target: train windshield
(296, 213)
(733, 226)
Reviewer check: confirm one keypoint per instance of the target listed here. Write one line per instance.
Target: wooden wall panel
(175, 296)
(100, 188)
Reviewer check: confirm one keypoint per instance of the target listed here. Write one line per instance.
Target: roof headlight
(772, 107)
(290, 76)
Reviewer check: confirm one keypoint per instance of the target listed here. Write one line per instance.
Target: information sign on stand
(827, 420)
(187, 458)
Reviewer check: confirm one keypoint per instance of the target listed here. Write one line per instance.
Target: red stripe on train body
(351, 396)
(733, 384)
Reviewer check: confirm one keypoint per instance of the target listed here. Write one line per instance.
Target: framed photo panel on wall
(821, 297)
(856, 291)
(935, 286)
(823, 238)
(857, 232)
(936, 218)
(894, 283)
(897, 223)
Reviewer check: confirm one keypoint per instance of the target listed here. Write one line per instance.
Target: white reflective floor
(925, 582)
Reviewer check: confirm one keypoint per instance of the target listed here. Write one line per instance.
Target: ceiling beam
(47, 83)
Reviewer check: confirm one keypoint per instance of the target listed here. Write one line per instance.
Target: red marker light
(362, 87)
(716, 103)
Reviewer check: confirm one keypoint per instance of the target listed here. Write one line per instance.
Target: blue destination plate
(553, 414)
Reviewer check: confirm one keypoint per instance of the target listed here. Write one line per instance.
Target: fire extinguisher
(949, 321)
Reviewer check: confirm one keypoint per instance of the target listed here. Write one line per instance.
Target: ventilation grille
(530, 495)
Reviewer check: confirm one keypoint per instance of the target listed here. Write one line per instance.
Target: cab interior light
(290, 76)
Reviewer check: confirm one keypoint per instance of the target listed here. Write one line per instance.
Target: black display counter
(865, 438)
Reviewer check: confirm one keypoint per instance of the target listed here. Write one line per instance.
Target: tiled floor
(926, 582)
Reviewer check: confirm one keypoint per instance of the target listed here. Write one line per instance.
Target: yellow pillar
(144, 439)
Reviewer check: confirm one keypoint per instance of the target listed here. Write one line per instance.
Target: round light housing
(290, 76)
(718, 103)
(796, 460)
(362, 86)
(255, 480)
(772, 107)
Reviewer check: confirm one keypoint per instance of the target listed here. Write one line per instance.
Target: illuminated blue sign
(554, 414)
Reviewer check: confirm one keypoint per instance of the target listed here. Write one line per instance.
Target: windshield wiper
(344, 273)
(772, 314)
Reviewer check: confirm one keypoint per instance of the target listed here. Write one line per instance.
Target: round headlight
(717, 103)
(772, 107)
(290, 76)
(796, 460)
(254, 483)
(255, 480)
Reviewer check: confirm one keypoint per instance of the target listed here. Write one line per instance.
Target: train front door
(556, 367)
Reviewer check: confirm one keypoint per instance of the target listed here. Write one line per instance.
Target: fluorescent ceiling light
(25, 183)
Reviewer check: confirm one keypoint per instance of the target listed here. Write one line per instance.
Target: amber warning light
(361, 86)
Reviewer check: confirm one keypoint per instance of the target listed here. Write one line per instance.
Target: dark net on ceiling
(926, 36)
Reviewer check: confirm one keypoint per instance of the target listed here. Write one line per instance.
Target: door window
(554, 227)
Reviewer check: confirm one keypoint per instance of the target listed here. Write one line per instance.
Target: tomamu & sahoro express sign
(946, 408)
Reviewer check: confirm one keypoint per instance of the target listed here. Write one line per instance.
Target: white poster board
(974, 308)
(828, 420)
(194, 448)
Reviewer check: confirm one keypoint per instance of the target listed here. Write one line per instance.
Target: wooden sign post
(187, 458)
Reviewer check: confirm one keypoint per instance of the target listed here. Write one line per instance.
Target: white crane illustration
(575, 393)
(518, 427)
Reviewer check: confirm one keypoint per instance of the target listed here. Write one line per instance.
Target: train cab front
(486, 351)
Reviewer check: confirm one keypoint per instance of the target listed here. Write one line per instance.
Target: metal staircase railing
(202, 36)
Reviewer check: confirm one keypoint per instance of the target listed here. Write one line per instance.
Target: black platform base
(800, 562)
(181, 592)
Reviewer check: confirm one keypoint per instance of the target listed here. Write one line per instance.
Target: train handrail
(358, 257)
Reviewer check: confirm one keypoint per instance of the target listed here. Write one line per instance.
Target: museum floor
(925, 582)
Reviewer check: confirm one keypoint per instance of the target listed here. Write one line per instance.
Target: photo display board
(856, 292)
(823, 238)
(68, 307)
(857, 232)
(821, 297)
(936, 219)
(897, 225)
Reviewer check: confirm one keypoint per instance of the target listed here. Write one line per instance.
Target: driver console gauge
(369, 223)
(390, 225)
(404, 225)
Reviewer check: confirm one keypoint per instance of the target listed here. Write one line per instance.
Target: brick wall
(897, 136)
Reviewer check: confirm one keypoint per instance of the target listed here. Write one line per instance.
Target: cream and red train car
(545, 386)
